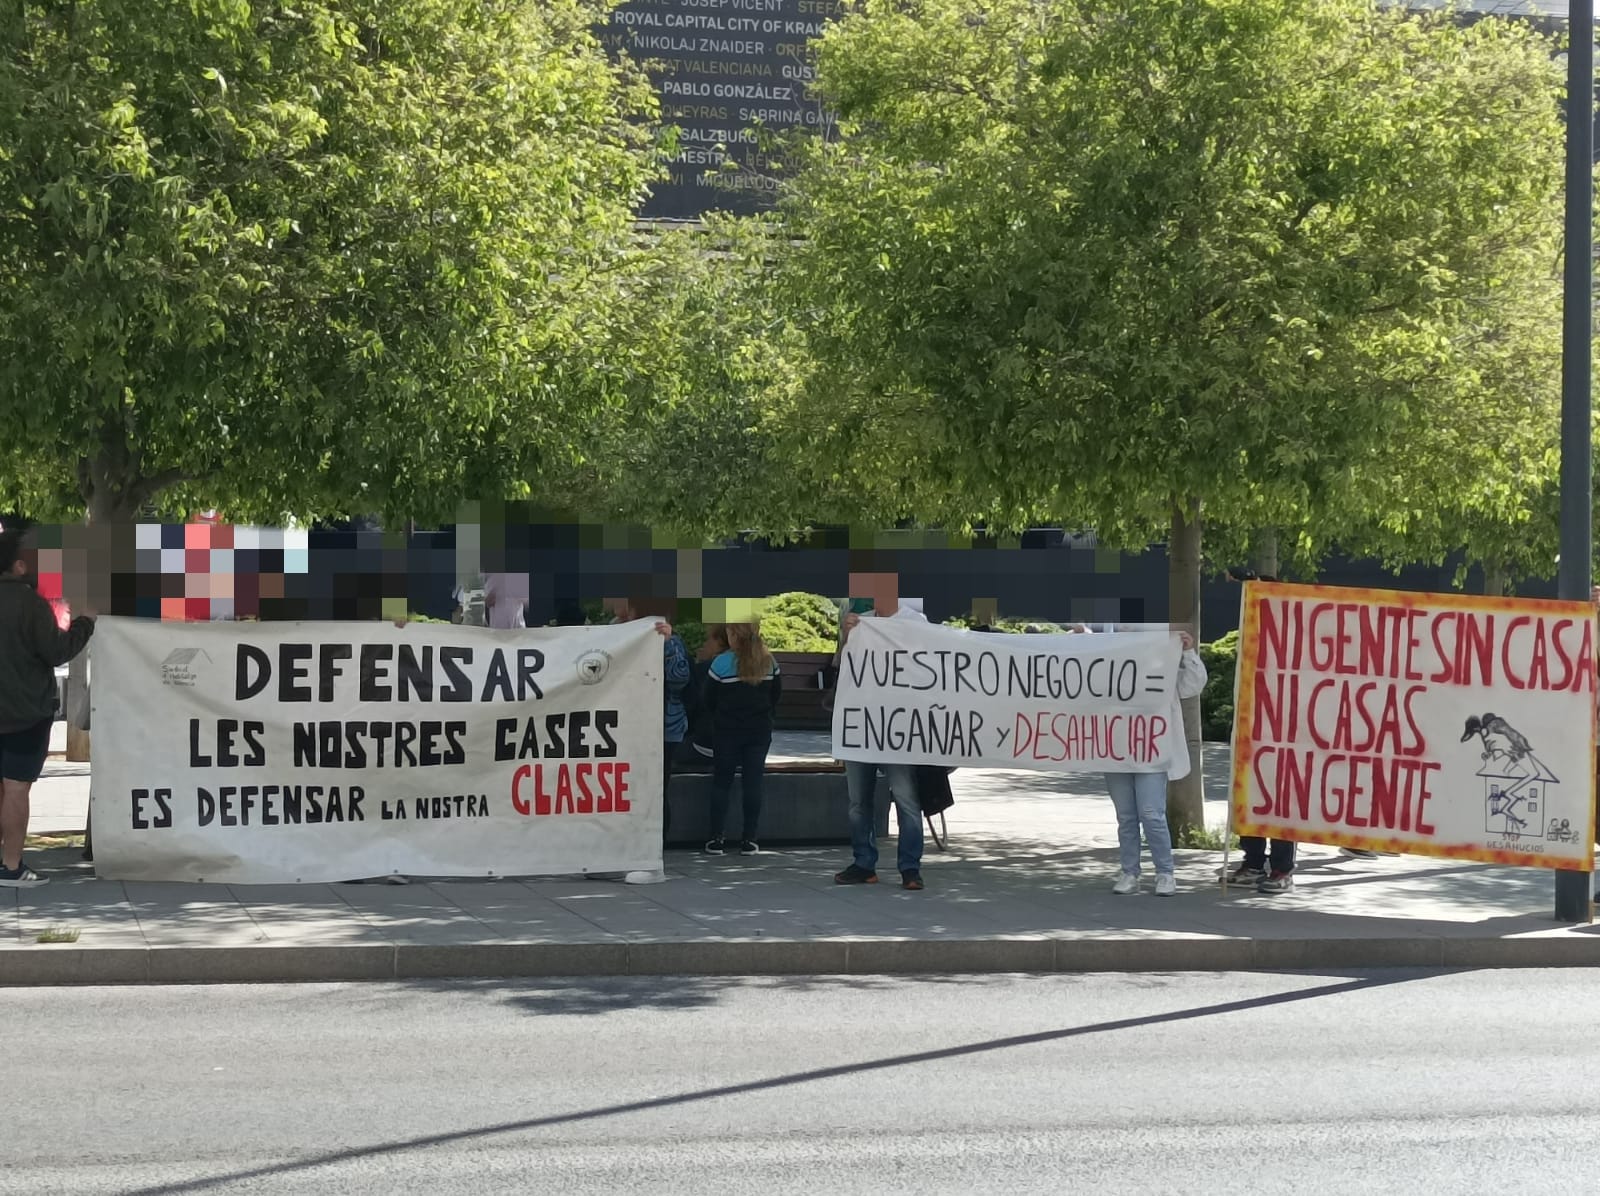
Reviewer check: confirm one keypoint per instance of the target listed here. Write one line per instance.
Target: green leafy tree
(1136, 264)
(696, 356)
(306, 258)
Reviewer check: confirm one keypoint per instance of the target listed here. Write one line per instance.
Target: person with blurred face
(877, 596)
(741, 696)
(32, 646)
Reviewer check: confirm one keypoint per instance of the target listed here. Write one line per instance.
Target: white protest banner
(915, 693)
(1438, 724)
(257, 753)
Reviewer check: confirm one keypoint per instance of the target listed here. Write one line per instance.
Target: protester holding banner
(1274, 874)
(882, 601)
(505, 600)
(741, 697)
(676, 721)
(32, 646)
(1140, 798)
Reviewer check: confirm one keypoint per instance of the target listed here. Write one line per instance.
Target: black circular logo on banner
(593, 667)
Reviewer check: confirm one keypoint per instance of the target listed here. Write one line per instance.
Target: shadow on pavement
(792, 1079)
(587, 996)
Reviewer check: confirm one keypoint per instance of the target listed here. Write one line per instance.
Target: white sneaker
(653, 877)
(1127, 883)
(1166, 884)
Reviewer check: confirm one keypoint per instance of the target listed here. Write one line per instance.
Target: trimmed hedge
(801, 617)
(1216, 702)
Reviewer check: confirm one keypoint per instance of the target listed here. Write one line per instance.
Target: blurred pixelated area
(208, 569)
(217, 571)
(196, 571)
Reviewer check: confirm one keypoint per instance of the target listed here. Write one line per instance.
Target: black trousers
(1255, 853)
(667, 755)
(746, 755)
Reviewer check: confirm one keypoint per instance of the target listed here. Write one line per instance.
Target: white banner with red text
(257, 753)
(916, 693)
(1437, 724)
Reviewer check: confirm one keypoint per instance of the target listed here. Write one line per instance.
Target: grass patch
(1205, 838)
(58, 934)
(50, 842)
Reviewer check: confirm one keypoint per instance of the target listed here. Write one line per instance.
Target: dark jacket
(737, 708)
(697, 743)
(32, 647)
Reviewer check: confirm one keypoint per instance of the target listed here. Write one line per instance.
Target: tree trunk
(1266, 554)
(1186, 805)
(1494, 579)
(110, 498)
(114, 486)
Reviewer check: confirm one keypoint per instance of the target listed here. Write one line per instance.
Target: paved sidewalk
(1023, 888)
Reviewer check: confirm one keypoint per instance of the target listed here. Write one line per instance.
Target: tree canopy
(306, 259)
(1090, 257)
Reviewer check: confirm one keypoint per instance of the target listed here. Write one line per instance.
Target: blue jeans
(862, 780)
(1141, 797)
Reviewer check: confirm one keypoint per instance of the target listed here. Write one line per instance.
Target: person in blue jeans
(862, 778)
(1140, 798)
(862, 781)
(741, 696)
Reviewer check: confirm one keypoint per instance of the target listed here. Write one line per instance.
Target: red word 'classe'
(583, 788)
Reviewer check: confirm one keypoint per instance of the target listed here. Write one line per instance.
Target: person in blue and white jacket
(740, 696)
(1140, 798)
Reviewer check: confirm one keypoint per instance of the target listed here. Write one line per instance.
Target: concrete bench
(803, 802)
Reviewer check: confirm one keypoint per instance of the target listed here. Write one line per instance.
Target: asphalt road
(1409, 1082)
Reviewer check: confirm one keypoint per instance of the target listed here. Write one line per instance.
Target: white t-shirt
(506, 597)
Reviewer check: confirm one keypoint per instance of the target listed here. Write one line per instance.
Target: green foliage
(308, 258)
(692, 633)
(811, 617)
(1010, 626)
(1204, 838)
(1221, 658)
(698, 355)
(1079, 260)
(789, 633)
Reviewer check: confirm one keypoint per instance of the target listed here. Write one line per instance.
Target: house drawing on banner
(1515, 781)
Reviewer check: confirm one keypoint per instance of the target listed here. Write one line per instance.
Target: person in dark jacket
(696, 751)
(32, 647)
(676, 673)
(741, 696)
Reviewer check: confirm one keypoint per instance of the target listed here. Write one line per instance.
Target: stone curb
(69, 965)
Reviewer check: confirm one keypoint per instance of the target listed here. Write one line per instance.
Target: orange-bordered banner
(1437, 724)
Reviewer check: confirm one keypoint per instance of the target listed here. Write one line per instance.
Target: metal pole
(1573, 889)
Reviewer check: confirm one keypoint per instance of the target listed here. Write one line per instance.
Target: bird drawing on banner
(1499, 737)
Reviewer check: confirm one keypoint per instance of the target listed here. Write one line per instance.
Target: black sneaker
(855, 876)
(1278, 882)
(713, 846)
(911, 880)
(21, 877)
(1244, 874)
(749, 847)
